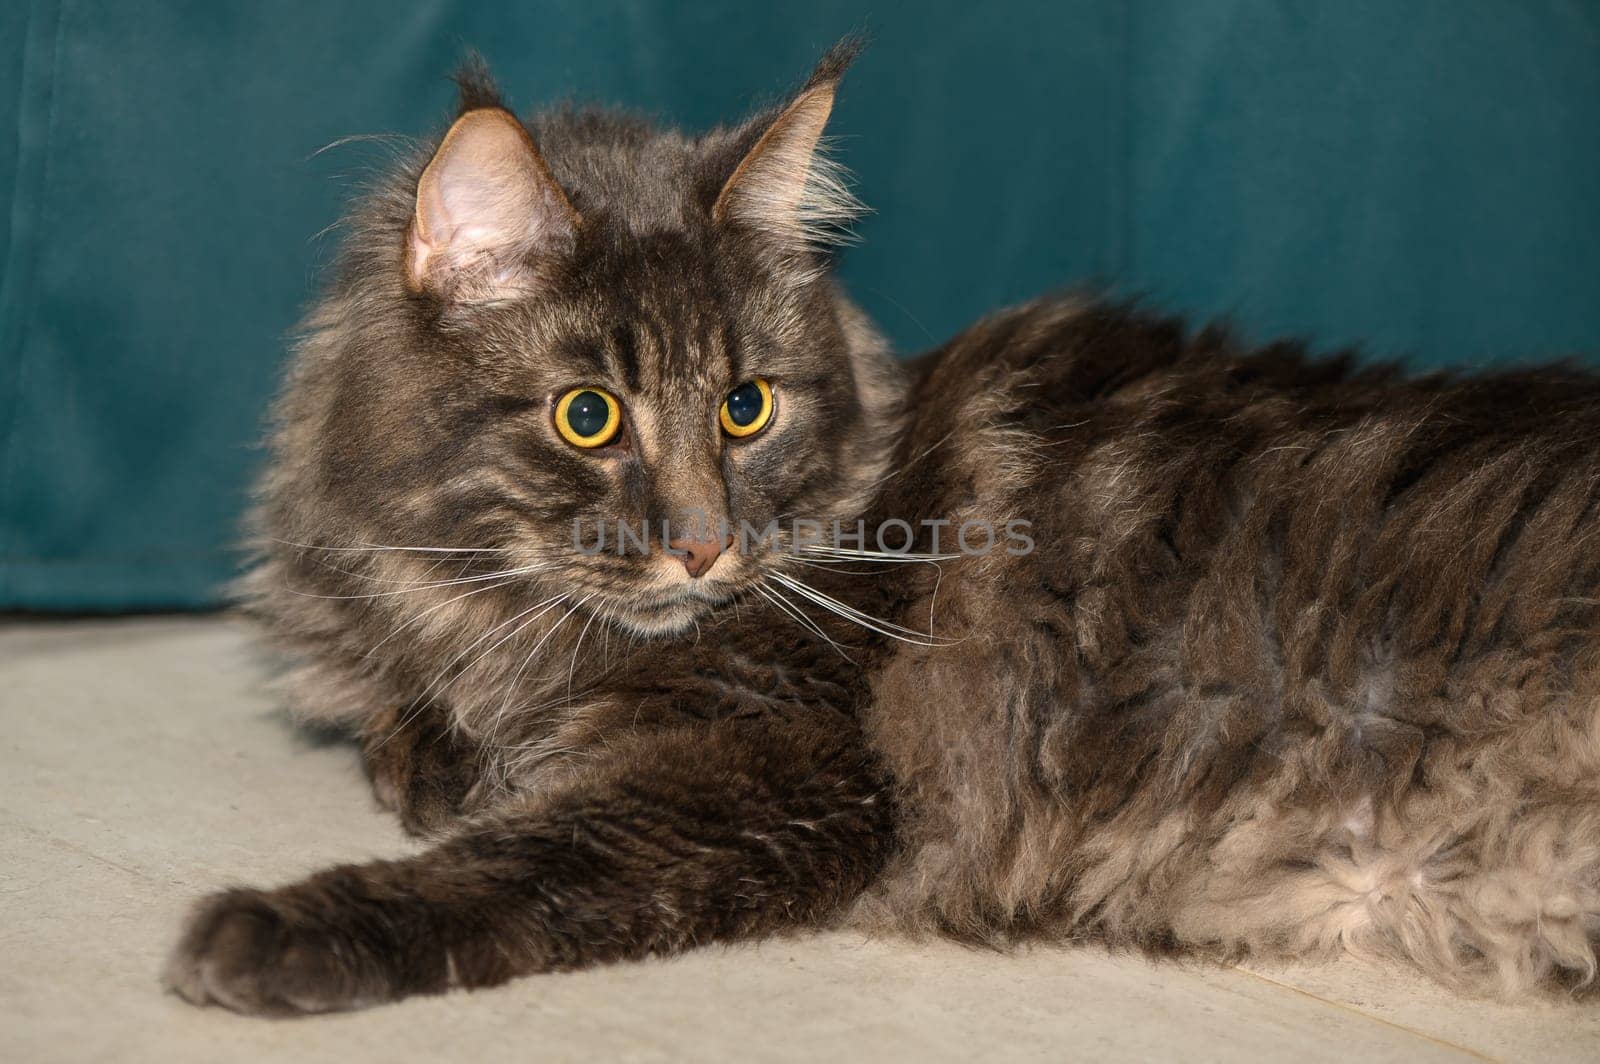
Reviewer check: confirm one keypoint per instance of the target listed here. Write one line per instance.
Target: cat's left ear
(785, 185)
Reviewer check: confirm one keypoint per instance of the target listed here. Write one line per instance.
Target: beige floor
(141, 764)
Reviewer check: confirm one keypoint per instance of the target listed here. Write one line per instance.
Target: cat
(1224, 651)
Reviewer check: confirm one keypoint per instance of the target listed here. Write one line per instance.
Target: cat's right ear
(487, 213)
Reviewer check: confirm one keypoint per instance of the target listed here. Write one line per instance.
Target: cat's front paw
(260, 953)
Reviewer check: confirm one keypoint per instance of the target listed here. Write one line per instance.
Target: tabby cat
(1266, 655)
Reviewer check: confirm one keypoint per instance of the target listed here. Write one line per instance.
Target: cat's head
(578, 320)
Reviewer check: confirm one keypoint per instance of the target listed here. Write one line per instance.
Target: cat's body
(1303, 657)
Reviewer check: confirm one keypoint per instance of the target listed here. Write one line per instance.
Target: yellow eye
(588, 417)
(747, 409)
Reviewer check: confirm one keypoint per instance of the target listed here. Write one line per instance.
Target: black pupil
(588, 413)
(744, 404)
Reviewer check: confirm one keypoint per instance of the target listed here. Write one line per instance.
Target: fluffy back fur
(1303, 658)
(1306, 659)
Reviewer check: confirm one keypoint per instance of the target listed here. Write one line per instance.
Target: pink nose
(699, 555)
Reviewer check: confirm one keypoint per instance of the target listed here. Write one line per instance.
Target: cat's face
(612, 361)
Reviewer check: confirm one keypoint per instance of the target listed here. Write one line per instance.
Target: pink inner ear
(485, 202)
(418, 252)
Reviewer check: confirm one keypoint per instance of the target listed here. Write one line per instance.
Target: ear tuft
(475, 87)
(831, 67)
(487, 211)
(786, 184)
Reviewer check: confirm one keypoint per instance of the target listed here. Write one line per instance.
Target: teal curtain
(1422, 176)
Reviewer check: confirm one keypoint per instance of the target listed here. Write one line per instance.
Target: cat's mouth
(665, 613)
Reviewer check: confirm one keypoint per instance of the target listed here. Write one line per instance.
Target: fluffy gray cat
(1084, 626)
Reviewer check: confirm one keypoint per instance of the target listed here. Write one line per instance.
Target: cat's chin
(665, 619)
(659, 622)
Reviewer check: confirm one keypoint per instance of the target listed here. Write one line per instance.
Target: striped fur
(1305, 659)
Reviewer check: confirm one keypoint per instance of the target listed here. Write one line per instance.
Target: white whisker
(865, 620)
(423, 699)
(872, 555)
(919, 457)
(436, 606)
(372, 547)
(834, 565)
(573, 668)
(772, 595)
(433, 585)
(533, 652)
(542, 608)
